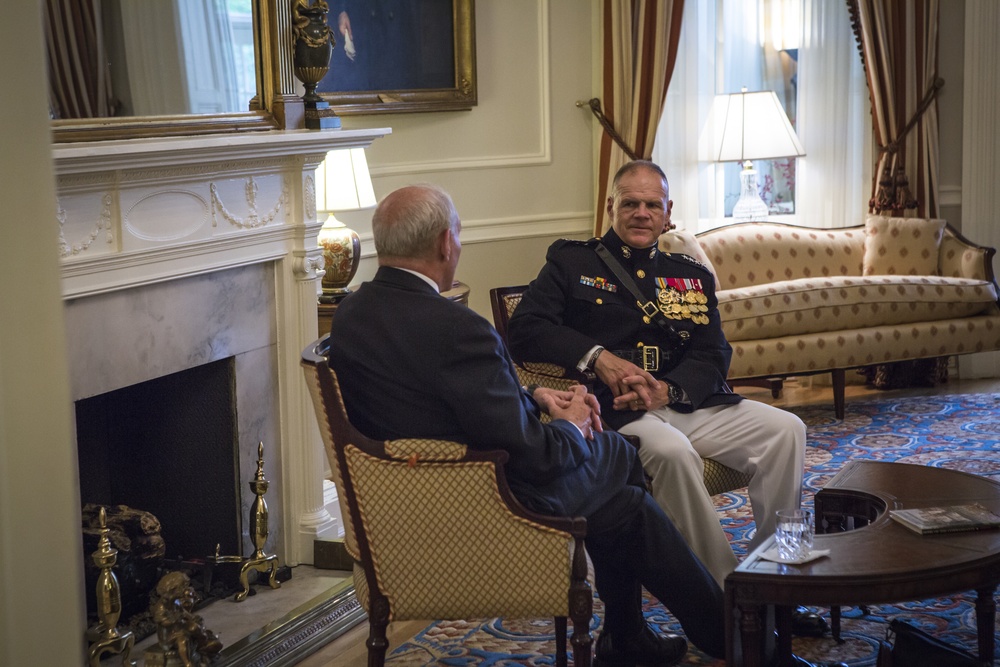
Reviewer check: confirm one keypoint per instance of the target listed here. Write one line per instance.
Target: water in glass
(794, 534)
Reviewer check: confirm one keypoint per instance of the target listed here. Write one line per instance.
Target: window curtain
(79, 81)
(898, 40)
(831, 180)
(833, 177)
(639, 41)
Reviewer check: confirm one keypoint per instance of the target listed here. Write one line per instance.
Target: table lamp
(343, 184)
(752, 126)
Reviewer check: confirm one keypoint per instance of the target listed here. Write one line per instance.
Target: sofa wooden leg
(839, 381)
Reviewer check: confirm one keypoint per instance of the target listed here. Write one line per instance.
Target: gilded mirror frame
(276, 105)
(462, 95)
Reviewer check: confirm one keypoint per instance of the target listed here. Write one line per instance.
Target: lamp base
(750, 207)
(341, 255)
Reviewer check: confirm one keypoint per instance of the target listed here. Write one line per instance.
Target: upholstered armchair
(718, 478)
(435, 532)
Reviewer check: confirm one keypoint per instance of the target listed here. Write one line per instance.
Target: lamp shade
(343, 181)
(752, 126)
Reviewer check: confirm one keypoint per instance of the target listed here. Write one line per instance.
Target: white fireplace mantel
(137, 213)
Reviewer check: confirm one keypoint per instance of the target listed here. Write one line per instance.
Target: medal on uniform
(682, 298)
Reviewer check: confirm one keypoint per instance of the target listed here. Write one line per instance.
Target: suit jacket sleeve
(477, 379)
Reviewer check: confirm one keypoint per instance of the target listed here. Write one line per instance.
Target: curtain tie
(595, 108)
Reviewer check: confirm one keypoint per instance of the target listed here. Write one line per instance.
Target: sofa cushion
(759, 252)
(902, 246)
(812, 305)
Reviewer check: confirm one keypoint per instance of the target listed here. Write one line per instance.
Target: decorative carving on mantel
(188, 208)
(310, 196)
(103, 224)
(253, 219)
(308, 264)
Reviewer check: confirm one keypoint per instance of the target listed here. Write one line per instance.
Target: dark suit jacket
(576, 302)
(415, 364)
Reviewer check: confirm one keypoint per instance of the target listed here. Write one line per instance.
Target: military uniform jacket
(576, 302)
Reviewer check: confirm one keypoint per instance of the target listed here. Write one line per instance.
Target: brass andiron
(182, 640)
(104, 636)
(259, 561)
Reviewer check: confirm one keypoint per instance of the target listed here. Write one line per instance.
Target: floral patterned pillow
(902, 246)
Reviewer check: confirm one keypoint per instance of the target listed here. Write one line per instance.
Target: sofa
(798, 301)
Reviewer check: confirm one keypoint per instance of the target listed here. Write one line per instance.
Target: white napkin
(772, 555)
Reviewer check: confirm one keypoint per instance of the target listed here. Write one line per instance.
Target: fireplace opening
(168, 446)
(163, 456)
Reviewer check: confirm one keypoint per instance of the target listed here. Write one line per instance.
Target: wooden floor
(349, 649)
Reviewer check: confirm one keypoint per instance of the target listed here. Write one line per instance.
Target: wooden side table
(459, 292)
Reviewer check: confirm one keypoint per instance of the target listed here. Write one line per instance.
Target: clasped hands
(575, 405)
(634, 388)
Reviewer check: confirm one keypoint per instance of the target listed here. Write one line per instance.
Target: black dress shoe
(646, 649)
(808, 624)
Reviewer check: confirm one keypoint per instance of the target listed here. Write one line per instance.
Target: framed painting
(394, 56)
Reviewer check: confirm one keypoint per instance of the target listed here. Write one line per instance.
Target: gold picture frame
(381, 84)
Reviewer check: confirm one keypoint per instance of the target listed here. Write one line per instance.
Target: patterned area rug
(959, 432)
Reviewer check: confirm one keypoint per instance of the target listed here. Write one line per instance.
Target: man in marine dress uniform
(662, 368)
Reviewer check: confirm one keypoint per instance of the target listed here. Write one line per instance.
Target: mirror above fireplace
(174, 67)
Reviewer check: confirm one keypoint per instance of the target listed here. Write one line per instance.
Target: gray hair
(636, 165)
(408, 221)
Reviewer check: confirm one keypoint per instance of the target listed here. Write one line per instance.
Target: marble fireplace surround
(180, 251)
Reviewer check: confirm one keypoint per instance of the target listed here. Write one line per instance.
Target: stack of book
(949, 519)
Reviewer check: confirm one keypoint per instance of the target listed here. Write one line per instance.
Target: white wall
(519, 164)
(42, 613)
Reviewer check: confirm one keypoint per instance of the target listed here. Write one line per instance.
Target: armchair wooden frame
(718, 477)
(436, 533)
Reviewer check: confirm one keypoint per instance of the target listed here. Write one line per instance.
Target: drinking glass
(794, 534)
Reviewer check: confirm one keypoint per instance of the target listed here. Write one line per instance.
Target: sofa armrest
(961, 258)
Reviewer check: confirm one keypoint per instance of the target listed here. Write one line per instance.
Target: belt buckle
(650, 358)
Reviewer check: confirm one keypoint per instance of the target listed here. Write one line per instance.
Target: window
(805, 51)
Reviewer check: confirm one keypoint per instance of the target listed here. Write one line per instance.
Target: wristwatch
(674, 394)
(593, 357)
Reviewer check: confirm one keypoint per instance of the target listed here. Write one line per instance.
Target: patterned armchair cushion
(457, 568)
(808, 305)
(902, 246)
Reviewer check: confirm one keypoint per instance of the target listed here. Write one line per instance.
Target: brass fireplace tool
(259, 561)
(104, 636)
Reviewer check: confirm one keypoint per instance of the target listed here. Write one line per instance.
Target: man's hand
(631, 400)
(576, 405)
(624, 377)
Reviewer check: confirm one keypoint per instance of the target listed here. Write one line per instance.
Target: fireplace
(185, 252)
(174, 388)
(181, 251)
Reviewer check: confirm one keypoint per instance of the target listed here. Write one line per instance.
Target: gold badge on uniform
(682, 299)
